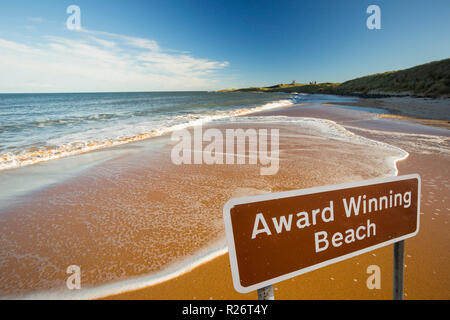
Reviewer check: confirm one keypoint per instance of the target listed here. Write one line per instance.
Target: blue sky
(206, 45)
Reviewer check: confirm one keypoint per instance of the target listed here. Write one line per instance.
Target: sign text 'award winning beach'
(277, 236)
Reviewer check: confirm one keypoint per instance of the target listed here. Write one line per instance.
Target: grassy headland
(426, 80)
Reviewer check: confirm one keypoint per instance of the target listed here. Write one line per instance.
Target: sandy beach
(199, 150)
(426, 258)
(137, 214)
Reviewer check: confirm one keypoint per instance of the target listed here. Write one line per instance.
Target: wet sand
(416, 109)
(427, 258)
(137, 213)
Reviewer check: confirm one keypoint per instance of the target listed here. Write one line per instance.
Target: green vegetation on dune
(430, 79)
(300, 88)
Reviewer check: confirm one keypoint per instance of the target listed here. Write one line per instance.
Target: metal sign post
(399, 257)
(266, 293)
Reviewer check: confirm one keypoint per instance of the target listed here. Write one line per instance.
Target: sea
(41, 127)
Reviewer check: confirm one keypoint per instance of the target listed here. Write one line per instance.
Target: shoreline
(163, 291)
(187, 265)
(187, 270)
(102, 292)
(384, 102)
(10, 160)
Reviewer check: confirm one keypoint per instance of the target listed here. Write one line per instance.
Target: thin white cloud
(101, 61)
(136, 42)
(104, 43)
(36, 19)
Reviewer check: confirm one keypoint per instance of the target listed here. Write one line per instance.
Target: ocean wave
(10, 160)
(59, 122)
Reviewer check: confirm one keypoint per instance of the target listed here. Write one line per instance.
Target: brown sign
(277, 236)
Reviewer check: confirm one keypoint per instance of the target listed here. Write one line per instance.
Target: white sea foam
(135, 283)
(332, 130)
(78, 143)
